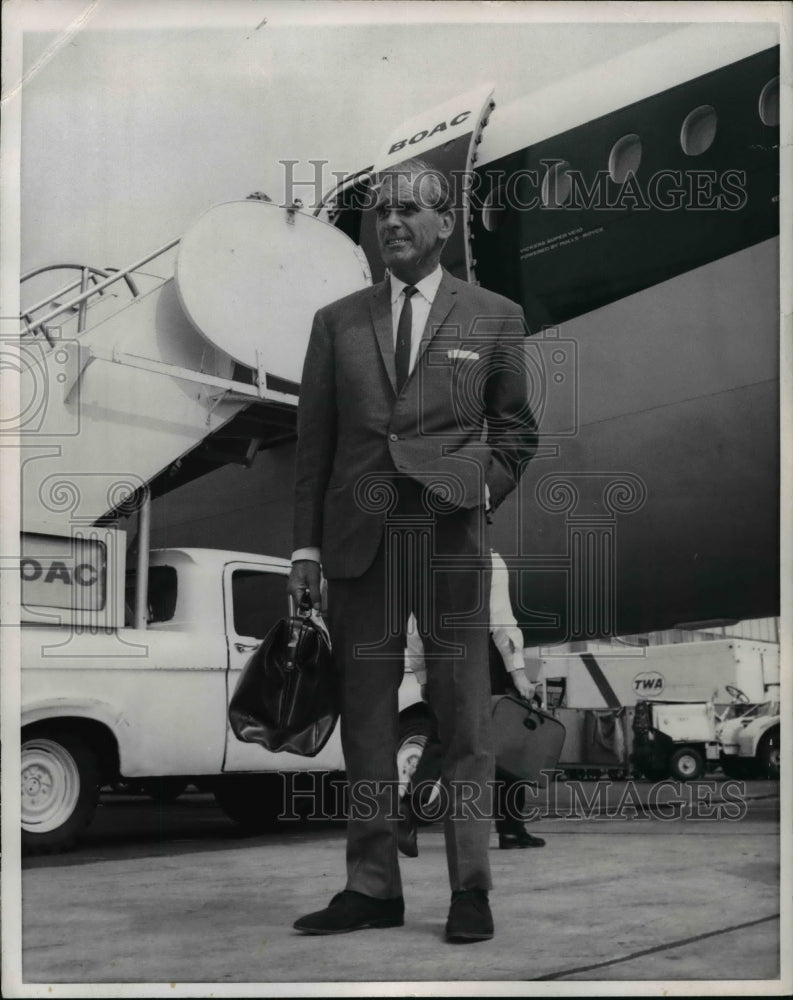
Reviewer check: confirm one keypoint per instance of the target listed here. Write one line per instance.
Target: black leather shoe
(407, 840)
(511, 841)
(352, 911)
(470, 918)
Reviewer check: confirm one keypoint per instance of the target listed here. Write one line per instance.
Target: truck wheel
(686, 764)
(254, 802)
(60, 789)
(768, 753)
(415, 732)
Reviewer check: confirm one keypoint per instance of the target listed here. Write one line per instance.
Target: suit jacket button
(393, 437)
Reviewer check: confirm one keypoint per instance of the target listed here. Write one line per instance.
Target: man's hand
(522, 683)
(305, 576)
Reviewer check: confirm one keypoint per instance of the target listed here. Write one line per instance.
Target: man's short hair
(433, 189)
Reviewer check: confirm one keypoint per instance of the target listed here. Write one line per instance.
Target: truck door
(255, 598)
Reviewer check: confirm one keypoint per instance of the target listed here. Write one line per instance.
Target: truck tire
(254, 802)
(415, 731)
(686, 764)
(768, 753)
(60, 788)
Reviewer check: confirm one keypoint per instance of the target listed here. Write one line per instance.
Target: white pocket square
(458, 352)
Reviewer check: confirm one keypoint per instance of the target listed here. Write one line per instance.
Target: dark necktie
(403, 338)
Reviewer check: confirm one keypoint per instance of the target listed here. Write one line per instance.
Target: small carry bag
(527, 741)
(286, 698)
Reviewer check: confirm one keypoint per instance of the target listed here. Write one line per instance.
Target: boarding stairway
(135, 381)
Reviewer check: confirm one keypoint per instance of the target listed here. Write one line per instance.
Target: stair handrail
(88, 272)
(80, 300)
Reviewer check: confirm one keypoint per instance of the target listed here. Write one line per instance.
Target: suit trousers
(437, 565)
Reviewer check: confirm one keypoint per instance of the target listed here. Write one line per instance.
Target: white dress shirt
(420, 303)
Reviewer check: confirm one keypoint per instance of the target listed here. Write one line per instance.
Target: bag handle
(531, 709)
(305, 617)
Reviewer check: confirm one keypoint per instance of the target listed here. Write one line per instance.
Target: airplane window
(769, 103)
(625, 157)
(699, 130)
(557, 185)
(494, 210)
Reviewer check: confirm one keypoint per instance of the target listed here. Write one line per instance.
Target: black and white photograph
(395, 498)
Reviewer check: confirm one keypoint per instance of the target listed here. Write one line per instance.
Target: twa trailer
(614, 677)
(606, 696)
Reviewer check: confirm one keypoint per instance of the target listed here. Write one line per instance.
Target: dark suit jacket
(354, 431)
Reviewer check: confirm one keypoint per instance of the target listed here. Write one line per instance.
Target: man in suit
(413, 417)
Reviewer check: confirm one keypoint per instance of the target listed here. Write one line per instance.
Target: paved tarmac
(629, 892)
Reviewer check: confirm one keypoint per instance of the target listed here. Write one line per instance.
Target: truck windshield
(765, 708)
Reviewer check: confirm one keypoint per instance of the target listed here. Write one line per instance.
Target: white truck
(126, 676)
(111, 704)
(682, 740)
(749, 739)
(674, 739)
